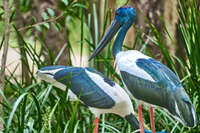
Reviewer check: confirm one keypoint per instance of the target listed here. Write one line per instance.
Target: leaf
(60, 53)
(51, 12)
(12, 15)
(76, 126)
(52, 113)
(57, 27)
(45, 16)
(79, 5)
(46, 25)
(4, 97)
(39, 112)
(65, 2)
(38, 28)
(13, 111)
(24, 5)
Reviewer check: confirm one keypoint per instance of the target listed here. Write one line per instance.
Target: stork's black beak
(112, 30)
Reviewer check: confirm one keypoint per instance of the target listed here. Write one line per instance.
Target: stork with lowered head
(147, 80)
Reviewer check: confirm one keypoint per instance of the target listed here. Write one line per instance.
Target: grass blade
(14, 110)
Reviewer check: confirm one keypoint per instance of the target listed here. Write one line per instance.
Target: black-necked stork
(96, 91)
(146, 79)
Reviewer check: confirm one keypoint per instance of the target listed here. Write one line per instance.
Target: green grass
(187, 58)
(40, 107)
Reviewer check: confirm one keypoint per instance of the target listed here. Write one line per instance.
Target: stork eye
(117, 13)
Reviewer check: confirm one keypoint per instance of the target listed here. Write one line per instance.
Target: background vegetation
(55, 32)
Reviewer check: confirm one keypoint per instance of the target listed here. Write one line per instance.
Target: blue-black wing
(153, 92)
(166, 71)
(158, 71)
(82, 85)
(144, 90)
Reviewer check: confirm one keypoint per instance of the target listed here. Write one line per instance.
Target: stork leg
(96, 123)
(140, 119)
(152, 119)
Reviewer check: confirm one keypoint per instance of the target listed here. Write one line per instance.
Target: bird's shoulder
(107, 80)
(112, 90)
(127, 61)
(168, 73)
(145, 67)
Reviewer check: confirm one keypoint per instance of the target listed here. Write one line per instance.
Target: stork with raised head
(146, 79)
(100, 94)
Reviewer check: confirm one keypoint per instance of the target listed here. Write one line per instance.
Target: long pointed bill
(112, 30)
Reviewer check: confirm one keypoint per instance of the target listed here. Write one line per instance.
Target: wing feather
(151, 69)
(167, 71)
(159, 72)
(82, 85)
(144, 90)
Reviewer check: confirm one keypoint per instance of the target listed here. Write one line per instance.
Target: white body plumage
(123, 105)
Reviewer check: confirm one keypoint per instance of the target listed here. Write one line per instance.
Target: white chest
(126, 61)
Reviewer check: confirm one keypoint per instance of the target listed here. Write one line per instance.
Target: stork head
(182, 108)
(124, 18)
(48, 73)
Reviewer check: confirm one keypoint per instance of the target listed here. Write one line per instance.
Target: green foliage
(40, 107)
(187, 58)
(25, 5)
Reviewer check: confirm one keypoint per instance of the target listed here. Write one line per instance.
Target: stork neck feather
(117, 46)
